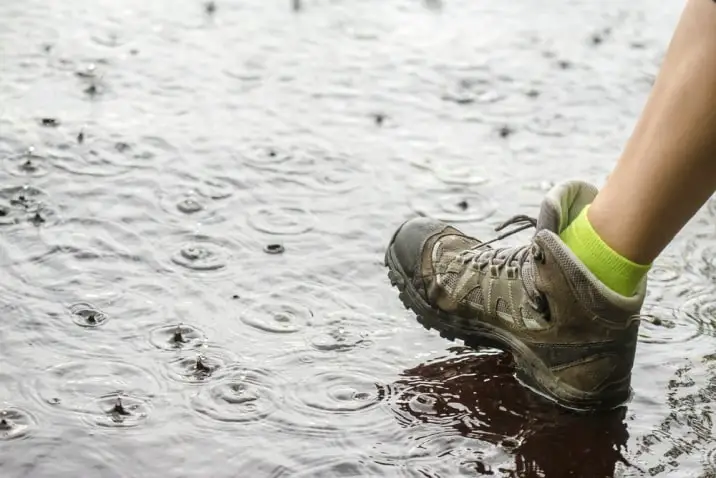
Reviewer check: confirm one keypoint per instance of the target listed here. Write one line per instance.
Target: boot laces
(482, 255)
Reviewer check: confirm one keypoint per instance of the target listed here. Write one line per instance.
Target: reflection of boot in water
(477, 395)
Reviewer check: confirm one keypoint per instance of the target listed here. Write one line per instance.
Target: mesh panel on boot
(501, 306)
(449, 280)
(475, 296)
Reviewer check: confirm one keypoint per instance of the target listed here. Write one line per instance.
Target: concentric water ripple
(202, 254)
(177, 337)
(198, 202)
(200, 365)
(665, 272)
(336, 175)
(240, 395)
(308, 305)
(282, 220)
(28, 163)
(186, 203)
(463, 171)
(468, 172)
(274, 316)
(87, 315)
(473, 90)
(663, 325)
(341, 402)
(703, 308)
(453, 206)
(15, 423)
(118, 410)
(277, 159)
(344, 393)
(429, 401)
(215, 189)
(671, 280)
(103, 392)
(342, 331)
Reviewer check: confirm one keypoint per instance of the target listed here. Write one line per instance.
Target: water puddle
(192, 244)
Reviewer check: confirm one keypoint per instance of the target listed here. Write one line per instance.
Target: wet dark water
(191, 250)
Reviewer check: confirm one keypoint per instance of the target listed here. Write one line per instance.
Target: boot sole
(530, 371)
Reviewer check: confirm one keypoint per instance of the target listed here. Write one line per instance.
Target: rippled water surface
(194, 204)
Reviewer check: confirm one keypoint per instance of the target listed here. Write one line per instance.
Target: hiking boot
(573, 339)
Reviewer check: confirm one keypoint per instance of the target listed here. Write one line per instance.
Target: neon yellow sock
(615, 271)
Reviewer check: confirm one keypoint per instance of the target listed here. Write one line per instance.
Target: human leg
(668, 168)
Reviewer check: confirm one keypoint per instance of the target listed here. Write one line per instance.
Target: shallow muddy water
(194, 206)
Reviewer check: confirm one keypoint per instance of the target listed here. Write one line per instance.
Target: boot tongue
(563, 203)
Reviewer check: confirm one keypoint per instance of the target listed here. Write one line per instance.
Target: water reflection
(476, 394)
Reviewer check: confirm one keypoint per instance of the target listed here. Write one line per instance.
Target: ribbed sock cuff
(613, 270)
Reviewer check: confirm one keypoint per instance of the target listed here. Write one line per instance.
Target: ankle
(622, 226)
(617, 272)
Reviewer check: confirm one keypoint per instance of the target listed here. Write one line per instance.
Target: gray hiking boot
(573, 339)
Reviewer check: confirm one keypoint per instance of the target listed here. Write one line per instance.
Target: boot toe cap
(409, 241)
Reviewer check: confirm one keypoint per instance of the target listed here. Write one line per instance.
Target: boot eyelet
(494, 271)
(538, 254)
